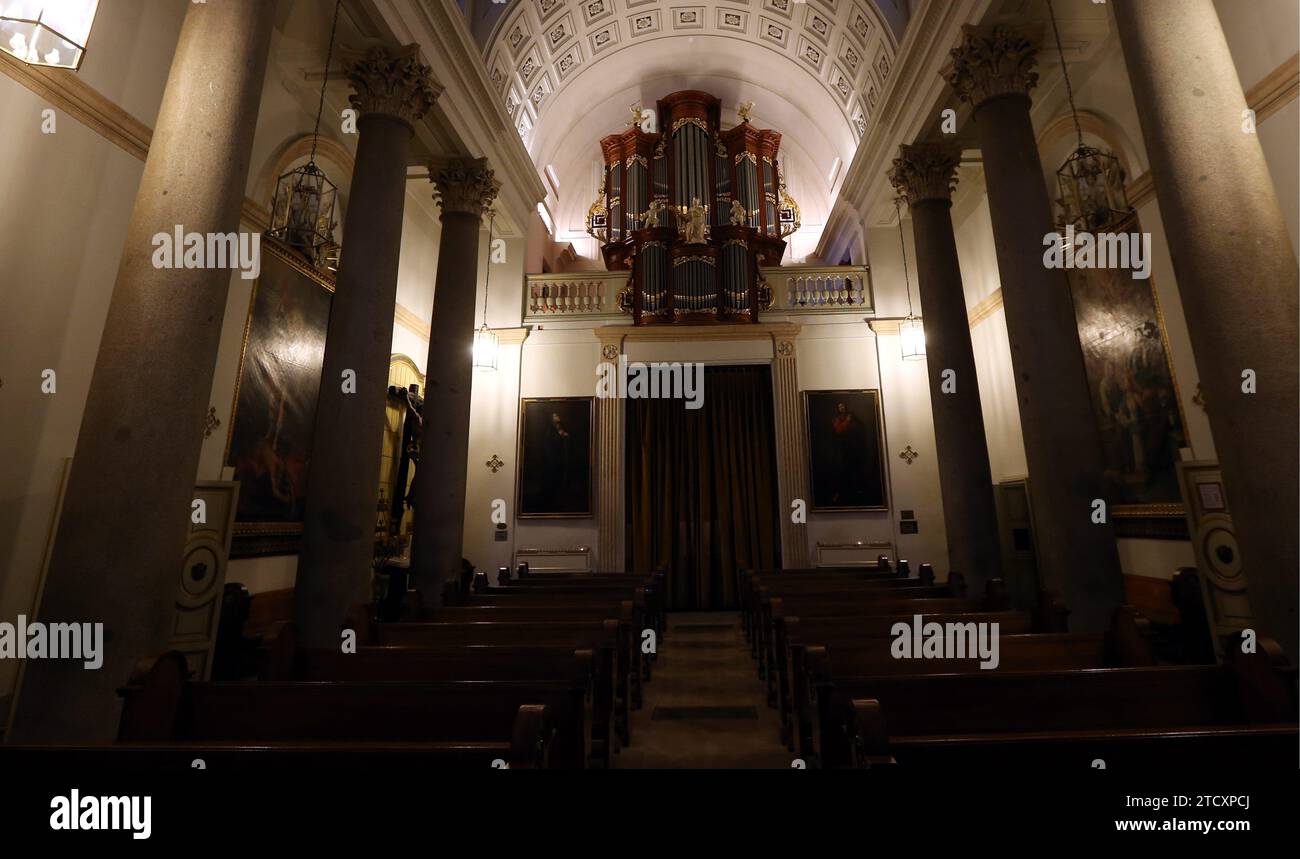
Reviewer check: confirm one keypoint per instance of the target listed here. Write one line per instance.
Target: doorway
(702, 496)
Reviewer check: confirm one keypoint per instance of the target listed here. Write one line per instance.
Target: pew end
(870, 746)
(152, 697)
(532, 738)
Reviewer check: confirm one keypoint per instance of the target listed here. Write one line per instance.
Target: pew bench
(590, 667)
(601, 636)
(540, 722)
(1068, 718)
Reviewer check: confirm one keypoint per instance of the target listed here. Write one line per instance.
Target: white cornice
(912, 92)
(468, 111)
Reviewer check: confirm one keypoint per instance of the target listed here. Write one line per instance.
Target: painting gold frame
(591, 459)
(880, 449)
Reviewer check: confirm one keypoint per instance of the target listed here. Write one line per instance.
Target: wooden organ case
(692, 212)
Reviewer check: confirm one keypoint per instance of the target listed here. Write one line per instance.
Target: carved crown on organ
(692, 211)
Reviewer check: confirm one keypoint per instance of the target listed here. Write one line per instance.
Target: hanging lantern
(302, 211)
(302, 214)
(911, 336)
(1093, 199)
(911, 333)
(486, 343)
(47, 32)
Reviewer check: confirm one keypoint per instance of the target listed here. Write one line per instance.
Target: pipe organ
(692, 211)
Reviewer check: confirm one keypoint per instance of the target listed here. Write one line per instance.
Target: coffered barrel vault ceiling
(566, 71)
(539, 46)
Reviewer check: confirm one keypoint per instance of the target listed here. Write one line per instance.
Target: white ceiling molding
(907, 107)
(468, 118)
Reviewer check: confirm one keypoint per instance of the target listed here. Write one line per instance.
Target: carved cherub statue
(651, 217)
(739, 217)
(744, 109)
(693, 222)
(638, 115)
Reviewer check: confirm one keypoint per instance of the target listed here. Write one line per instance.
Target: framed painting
(1135, 397)
(274, 411)
(846, 455)
(556, 457)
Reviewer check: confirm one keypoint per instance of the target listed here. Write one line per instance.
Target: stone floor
(705, 707)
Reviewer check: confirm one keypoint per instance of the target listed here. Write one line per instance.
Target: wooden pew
(528, 747)
(846, 591)
(318, 725)
(747, 591)
(793, 634)
(601, 636)
(545, 605)
(862, 601)
(1240, 714)
(654, 584)
(855, 658)
(591, 667)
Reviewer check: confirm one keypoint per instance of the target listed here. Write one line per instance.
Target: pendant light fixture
(1091, 182)
(47, 32)
(302, 211)
(486, 344)
(911, 333)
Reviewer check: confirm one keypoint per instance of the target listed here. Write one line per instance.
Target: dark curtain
(701, 487)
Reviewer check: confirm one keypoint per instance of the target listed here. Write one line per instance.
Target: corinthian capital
(925, 171)
(391, 81)
(465, 186)
(991, 62)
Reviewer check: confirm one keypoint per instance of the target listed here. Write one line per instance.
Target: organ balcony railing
(610, 296)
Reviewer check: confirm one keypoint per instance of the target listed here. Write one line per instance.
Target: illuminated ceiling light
(47, 32)
(911, 333)
(486, 343)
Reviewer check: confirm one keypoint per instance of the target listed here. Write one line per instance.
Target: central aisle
(705, 707)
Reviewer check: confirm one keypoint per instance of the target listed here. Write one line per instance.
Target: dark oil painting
(846, 450)
(555, 457)
(279, 382)
(1134, 399)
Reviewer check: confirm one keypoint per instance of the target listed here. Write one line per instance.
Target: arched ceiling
(568, 70)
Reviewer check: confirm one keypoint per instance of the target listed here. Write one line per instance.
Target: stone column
(391, 92)
(926, 175)
(126, 511)
(610, 458)
(992, 69)
(791, 447)
(1236, 274)
(466, 189)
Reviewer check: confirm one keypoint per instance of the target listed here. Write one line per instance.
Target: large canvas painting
(1134, 396)
(846, 450)
(269, 445)
(555, 457)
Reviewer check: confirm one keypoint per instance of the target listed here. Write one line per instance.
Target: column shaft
(343, 477)
(1077, 556)
(1237, 279)
(117, 552)
(792, 451)
(466, 190)
(610, 491)
(965, 478)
